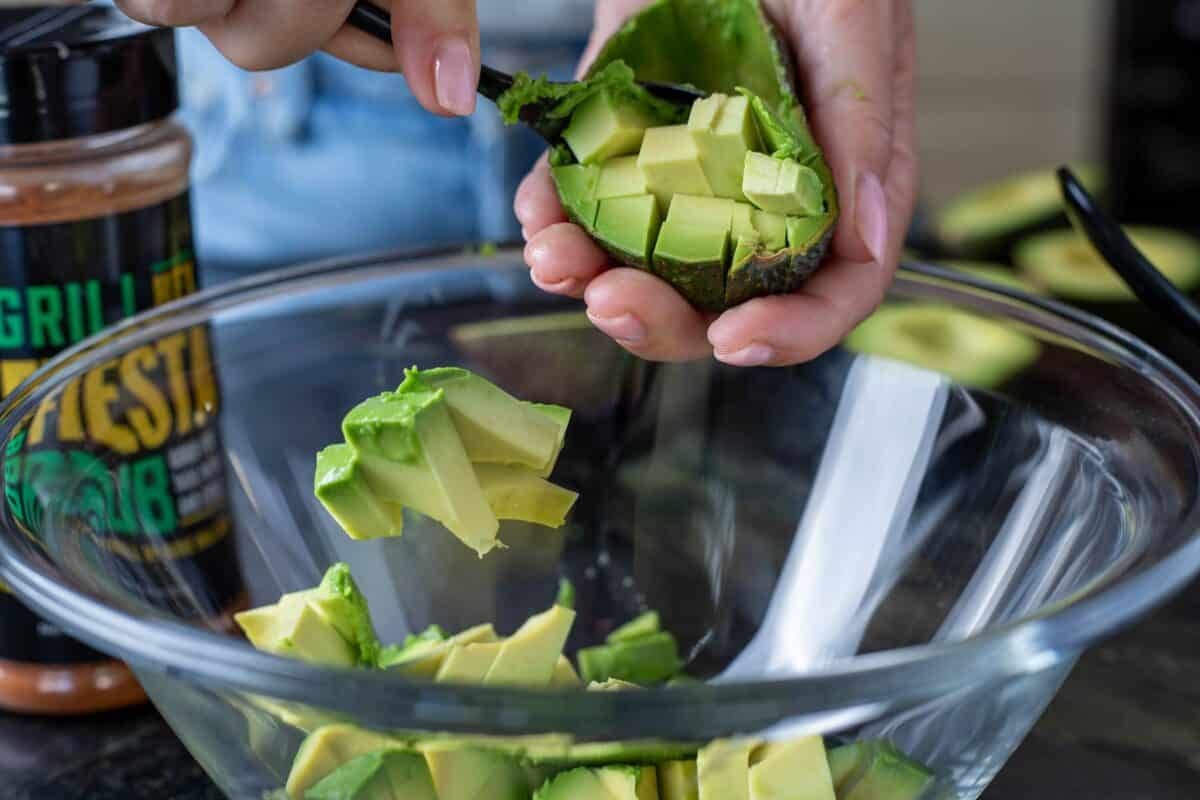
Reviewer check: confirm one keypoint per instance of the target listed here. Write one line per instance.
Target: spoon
(1150, 285)
(373, 20)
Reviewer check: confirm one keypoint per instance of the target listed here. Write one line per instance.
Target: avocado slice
(423, 659)
(529, 657)
(603, 127)
(519, 494)
(468, 664)
(723, 769)
(564, 676)
(844, 761)
(495, 427)
(561, 417)
(793, 770)
(342, 488)
(782, 186)
(412, 456)
(1067, 266)
(630, 225)
(326, 749)
(629, 783)
(382, 775)
(642, 625)
(884, 773)
(970, 349)
(724, 131)
(463, 772)
(580, 783)
(986, 221)
(620, 177)
(577, 186)
(670, 163)
(677, 780)
(693, 248)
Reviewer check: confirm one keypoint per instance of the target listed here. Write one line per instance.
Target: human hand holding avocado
(436, 43)
(856, 61)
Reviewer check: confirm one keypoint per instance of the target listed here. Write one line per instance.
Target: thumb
(847, 51)
(437, 44)
(610, 16)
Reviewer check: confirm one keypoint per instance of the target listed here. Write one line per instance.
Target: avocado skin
(702, 284)
(780, 273)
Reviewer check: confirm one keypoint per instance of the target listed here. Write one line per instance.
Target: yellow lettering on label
(70, 426)
(171, 349)
(203, 380)
(98, 395)
(13, 371)
(151, 421)
(37, 428)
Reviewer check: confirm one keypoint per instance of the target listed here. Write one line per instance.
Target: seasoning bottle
(95, 227)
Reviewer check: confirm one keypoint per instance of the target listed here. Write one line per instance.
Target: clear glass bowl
(855, 547)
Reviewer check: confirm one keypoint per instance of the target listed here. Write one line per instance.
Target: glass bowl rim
(856, 689)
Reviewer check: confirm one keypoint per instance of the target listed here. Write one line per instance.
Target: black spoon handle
(372, 19)
(1115, 246)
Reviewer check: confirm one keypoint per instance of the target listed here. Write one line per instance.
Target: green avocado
(564, 676)
(326, 749)
(677, 780)
(580, 783)
(723, 769)
(644, 660)
(421, 659)
(529, 657)
(603, 127)
(342, 488)
(1068, 267)
(782, 186)
(630, 225)
(968, 348)
(986, 221)
(793, 770)
(642, 625)
(561, 417)
(463, 772)
(845, 761)
(731, 51)
(693, 248)
(517, 493)
(621, 177)
(413, 456)
(884, 773)
(382, 775)
(602, 783)
(468, 664)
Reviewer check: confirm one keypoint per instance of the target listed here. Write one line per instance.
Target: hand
(857, 60)
(436, 42)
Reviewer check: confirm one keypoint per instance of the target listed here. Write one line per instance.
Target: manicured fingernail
(625, 328)
(871, 215)
(565, 286)
(455, 76)
(753, 356)
(525, 233)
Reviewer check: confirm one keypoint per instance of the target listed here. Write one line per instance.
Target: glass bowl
(857, 547)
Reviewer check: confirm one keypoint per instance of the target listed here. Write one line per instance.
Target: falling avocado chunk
(638, 652)
(749, 114)
(342, 488)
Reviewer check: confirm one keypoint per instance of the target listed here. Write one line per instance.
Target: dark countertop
(1126, 726)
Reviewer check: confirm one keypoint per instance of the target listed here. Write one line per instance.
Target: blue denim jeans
(323, 159)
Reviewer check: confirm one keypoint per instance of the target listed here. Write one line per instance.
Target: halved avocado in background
(985, 222)
(729, 48)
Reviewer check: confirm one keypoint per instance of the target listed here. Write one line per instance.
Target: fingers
(646, 316)
(610, 15)
(536, 204)
(847, 51)
(175, 13)
(270, 34)
(563, 259)
(438, 47)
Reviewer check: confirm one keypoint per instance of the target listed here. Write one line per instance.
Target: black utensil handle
(1150, 285)
(371, 19)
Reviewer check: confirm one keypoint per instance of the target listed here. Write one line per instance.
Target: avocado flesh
(328, 748)
(561, 417)
(494, 426)
(342, 488)
(969, 349)
(693, 248)
(529, 657)
(602, 128)
(677, 780)
(723, 769)
(620, 177)
(885, 774)
(793, 770)
(641, 625)
(724, 132)
(782, 186)
(412, 456)
(470, 773)
(383, 775)
(630, 225)
(644, 660)
(468, 664)
(845, 761)
(577, 185)
(424, 661)
(629, 783)
(564, 675)
(772, 228)
(516, 493)
(1067, 266)
(580, 783)
(670, 163)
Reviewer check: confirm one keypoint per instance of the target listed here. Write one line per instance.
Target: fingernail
(564, 286)
(871, 215)
(455, 76)
(525, 234)
(753, 356)
(625, 328)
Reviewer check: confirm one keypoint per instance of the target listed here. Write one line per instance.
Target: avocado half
(987, 221)
(728, 48)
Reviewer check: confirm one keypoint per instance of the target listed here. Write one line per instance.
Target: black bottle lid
(81, 71)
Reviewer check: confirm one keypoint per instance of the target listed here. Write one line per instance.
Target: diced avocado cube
(643, 660)
(746, 248)
(462, 772)
(693, 247)
(383, 775)
(670, 162)
(772, 228)
(641, 625)
(424, 661)
(802, 231)
(310, 637)
(782, 186)
(795, 770)
(677, 780)
(564, 675)
(529, 656)
(743, 222)
(630, 225)
(342, 488)
(601, 129)
(494, 426)
(620, 177)
(412, 455)
(724, 131)
(468, 663)
(888, 775)
(723, 769)
(845, 761)
(517, 493)
(328, 748)
(561, 417)
(576, 185)
(629, 783)
(580, 783)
